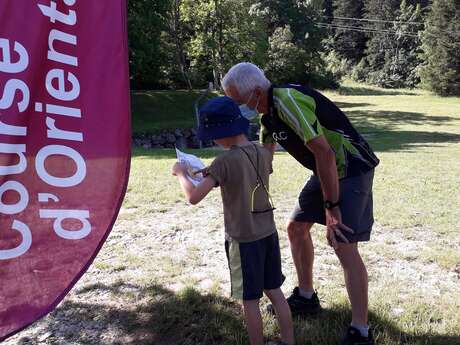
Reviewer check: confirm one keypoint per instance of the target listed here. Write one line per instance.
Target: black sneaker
(300, 306)
(354, 337)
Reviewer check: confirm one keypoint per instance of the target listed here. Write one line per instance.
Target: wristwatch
(329, 204)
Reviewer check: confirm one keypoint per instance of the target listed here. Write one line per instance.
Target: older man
(317, 133)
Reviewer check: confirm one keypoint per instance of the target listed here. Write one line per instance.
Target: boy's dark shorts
(254, 266)
(355, 204)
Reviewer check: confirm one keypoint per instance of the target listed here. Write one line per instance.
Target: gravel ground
(183, 246)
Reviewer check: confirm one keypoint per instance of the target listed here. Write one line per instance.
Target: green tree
(380, 42)
(393, 49)
(176, 37)
(223, 33)
(348, 42)
(146, 21)
(328, 8)
(300, 15)
(286, 61)
(293, 25)
(402, 60)
(441, 48)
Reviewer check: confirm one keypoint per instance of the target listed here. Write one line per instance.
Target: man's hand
(179, 168)
(335, 227)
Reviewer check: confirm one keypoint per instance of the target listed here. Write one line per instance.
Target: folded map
(193, 164)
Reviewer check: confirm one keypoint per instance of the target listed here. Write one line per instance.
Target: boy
(251, 243)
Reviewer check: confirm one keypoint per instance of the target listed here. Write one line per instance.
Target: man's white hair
(245, 77)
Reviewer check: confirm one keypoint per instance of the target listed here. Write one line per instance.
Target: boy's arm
(193, 194)
(270, 147)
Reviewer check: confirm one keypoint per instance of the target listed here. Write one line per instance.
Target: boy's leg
(253, 321)
(302, 253)
(246, 263)
(356, 281)
(283, 314)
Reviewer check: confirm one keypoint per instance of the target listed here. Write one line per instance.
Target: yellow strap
(254, 192)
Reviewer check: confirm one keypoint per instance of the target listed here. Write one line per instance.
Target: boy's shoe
(300, 306)
(354, 337)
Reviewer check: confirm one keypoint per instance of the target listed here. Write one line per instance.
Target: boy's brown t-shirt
(237, 179)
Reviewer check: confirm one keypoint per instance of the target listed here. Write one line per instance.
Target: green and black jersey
(299, 114)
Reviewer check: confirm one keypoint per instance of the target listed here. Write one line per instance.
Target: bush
(286, 61)
(338, 67)
(360, 71)
(323, 81)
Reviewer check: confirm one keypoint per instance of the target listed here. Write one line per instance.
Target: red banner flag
(64, 146)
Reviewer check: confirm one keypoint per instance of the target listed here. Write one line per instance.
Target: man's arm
(193, 194)
(326, 167)
(266, 138)
(327, 172)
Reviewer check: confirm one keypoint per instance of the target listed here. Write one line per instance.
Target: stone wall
(182, 138)
(167, 138)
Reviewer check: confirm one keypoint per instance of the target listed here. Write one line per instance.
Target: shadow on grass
(345, 105)
(153, 314)
(142, 315)
(153, 111)
(368, 91)
(386, 120)
(326, 329)
(380, 128)
(380, 139)
(408, 140)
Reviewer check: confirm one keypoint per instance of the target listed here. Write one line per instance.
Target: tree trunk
(219, 46)
(176, 32)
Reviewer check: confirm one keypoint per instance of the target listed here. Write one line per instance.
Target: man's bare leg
(302, 252)
(356, 281)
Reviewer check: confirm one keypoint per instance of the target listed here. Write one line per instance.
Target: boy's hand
(204, 171)
(179, 168)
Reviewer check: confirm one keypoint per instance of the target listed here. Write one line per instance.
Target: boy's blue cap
(221, 117)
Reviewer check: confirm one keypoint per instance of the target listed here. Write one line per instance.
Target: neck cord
(260, 182)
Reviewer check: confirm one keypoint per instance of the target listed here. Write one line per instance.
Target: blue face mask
(247, 112)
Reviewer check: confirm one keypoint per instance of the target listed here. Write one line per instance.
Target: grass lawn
(414, 257)
(156, 110)
(161, 278)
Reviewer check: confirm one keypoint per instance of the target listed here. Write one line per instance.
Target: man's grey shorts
(355, 205)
